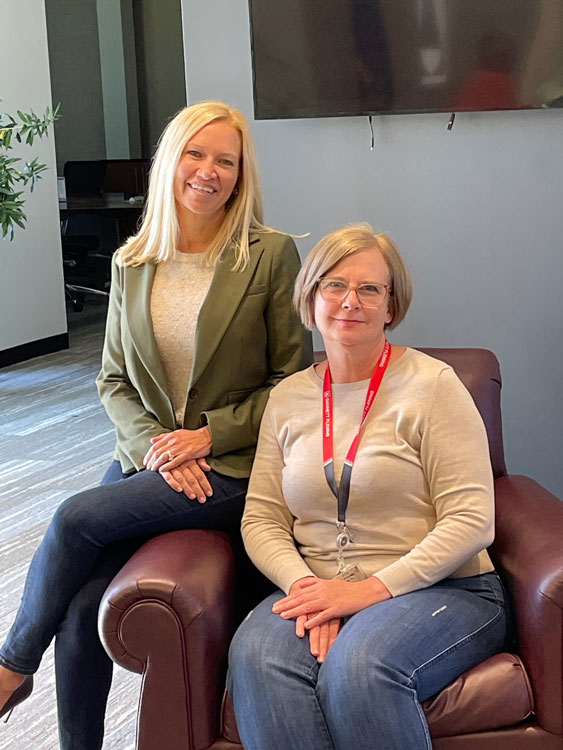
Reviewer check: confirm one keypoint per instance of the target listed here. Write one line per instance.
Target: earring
(235, 191)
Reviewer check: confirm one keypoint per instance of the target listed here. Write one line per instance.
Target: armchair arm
(528, 551)
(168, 614)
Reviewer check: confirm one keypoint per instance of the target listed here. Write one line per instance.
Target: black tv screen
(325, 58)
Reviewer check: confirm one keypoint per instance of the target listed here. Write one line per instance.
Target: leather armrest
(528, 551)
(169, 615)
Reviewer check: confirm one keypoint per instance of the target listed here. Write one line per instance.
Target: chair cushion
(493, 694)
(229, 728)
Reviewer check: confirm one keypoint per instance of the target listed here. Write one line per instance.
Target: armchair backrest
(479, 371)
(527, 551)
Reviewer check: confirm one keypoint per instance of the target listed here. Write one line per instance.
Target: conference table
(124, 213)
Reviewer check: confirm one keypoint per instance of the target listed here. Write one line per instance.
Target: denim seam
(423, 721)
(465, 639)
(314, 671)
(498, 594)
(327, 738)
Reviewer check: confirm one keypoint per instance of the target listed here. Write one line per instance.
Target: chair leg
(77, 305)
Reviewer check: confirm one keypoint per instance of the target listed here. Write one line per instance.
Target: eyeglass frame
(388, 289)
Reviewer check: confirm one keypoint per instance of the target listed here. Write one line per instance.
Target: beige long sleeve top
(421, 497)
(178, 292)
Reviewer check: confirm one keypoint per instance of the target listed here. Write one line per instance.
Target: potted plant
(13, 174)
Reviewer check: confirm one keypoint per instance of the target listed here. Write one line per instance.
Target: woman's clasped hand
(319, 606)
(321, 599)
(321, 637)
(173, 448)
(180, 457)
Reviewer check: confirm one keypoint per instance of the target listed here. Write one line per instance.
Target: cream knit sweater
(421, 498)
(179, 289)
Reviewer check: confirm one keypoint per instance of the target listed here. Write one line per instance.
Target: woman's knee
(263, 642)
(91, 514)
(244, 651)
(356, 664)
(251, 638)
(71, 517)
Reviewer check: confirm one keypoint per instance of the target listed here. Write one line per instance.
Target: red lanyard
(342, 492)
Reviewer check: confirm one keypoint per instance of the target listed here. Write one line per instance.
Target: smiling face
(349, 323)
(208, 171)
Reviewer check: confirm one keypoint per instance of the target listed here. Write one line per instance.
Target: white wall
(31, 284)
(476, 211)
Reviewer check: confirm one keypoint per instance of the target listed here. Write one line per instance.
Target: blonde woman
(370, 506)
(199, 329)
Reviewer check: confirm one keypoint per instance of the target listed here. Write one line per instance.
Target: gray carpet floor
(56, 440)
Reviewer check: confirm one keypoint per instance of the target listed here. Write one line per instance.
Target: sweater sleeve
(267, 523)
(456, 464)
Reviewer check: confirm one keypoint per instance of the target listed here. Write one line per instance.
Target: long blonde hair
(157, 237)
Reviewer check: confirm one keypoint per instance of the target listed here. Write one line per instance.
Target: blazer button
(193, 393)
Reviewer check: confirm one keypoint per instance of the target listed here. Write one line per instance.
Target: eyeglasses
(370, 294)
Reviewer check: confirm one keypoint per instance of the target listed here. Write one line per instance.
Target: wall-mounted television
(329, 58)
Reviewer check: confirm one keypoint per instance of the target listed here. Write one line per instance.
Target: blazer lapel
(137, 313)
(223, 298)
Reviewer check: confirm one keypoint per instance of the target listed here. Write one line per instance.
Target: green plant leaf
(31, 126)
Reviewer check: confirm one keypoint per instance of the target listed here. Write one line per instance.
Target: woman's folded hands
(179, 456)
(171, 449)
(319, 604)
(189, 478)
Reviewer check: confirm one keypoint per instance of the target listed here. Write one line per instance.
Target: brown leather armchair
(172, 610)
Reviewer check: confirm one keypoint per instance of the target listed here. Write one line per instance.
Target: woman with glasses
(199, 329)
(370, 506)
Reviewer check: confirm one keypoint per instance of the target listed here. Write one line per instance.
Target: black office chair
(86, 265)
(86, 270)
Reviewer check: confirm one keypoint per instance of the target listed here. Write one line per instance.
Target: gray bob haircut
(335, 246)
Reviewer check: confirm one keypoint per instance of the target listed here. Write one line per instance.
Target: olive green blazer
(248, 338)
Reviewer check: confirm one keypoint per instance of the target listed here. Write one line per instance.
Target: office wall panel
(476, 212)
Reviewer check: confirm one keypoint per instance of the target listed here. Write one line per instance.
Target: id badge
(351, 573)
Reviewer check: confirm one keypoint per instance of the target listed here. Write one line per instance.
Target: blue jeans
(90, 537)
(386, 660)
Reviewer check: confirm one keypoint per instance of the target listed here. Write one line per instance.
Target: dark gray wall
(74, 57)
(160, 55)
(150, 57)
(476, 212)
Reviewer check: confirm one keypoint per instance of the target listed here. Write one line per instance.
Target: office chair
(86, 271)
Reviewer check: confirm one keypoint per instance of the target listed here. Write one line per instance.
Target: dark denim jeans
(386, 660)
(90, 537)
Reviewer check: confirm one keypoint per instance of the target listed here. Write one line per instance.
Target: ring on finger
(170, 455)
